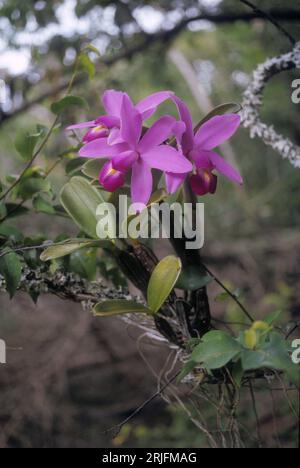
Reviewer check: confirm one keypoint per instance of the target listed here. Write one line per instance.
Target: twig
(275, 426)
(292, 330)
(162, 37)
(29, 164)
(45, 140)
(256, 415)
(117, 428)
(232, 295)
(272, 20)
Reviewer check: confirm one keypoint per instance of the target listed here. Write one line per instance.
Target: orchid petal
(95, 133)
(131, 122)
(185, 115)
(141, 182)
(111, 179)
(112, 102)
(148, 106)
(167, 159)
(204, 182)
(157, 134)
(201, 159)
(179, 130)
(216, 131)
(114, 137)
(124, 161)
(100, 149)
(174, 181)
(109, 121)
(225, 168)
(91, 123)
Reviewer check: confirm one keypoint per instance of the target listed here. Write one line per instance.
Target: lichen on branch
(253, 100)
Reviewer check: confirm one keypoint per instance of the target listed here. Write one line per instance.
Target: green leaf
(119, 307)
(81, 200)
(68, 101)
(163, 281)
(224, 296)
(273, 354)
(92, 48)
(74, 166)
(215, 335)
(12, 233)
(11, 270)
(238, 373)
(216, 350)
(43, 206)
(29, 186)
(69, 246)
(186, 370)
(157, 197)
(84, 263)
(272, 318)
(25, 144)
(3, 210)
(193, 278)
(87, 65)
(14, 210)
(231, 107)
(93, 167)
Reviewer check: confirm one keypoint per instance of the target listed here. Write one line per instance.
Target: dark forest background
(70, 376)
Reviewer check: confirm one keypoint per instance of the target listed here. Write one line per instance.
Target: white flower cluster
(253, 99)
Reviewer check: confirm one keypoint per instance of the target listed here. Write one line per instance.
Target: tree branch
(66, 286)
(163, 37)
(272, 20)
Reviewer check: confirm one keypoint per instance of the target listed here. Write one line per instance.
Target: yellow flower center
(112, 172)
(98, 128)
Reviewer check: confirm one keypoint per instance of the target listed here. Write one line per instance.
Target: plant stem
(233, 296)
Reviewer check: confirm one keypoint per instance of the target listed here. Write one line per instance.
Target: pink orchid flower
(199, 148)
(108, 125)
(136, 152)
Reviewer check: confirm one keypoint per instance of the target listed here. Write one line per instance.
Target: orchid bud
(100, 131)
(204, 182)
(110, 178)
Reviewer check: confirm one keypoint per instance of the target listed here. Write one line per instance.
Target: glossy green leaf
(81, 201)
(67, 102)
(92, 48)
(11, 233)
(11, 270)
(119, 307)
(3, 210)
(41, 205)
(193, 278)
(93, 167)
(163, 281)
(74, 166)
(25, 143)
(272, 318)
(216, 350)
(87, 65)
(230, 107)
(157, 197)
(238, 373)
(186, 370)
(14, 210)
(69, 246)
(84, 263)
(32, 185)
(273, 354)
